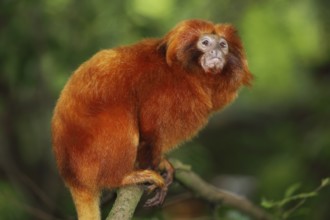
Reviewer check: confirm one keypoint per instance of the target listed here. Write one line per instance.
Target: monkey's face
(214, 52)
(201, 46)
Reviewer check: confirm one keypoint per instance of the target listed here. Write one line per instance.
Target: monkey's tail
(87, 204)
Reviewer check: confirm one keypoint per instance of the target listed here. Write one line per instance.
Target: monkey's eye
(206, 42)
(223, 43)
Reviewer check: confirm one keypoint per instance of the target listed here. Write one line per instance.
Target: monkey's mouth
(215, 62)
(213, 65)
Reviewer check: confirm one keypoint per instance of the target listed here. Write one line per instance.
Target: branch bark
(129, 197)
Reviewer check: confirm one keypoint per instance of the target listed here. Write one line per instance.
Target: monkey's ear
(178, 39)
(169, 47)
(163, 48)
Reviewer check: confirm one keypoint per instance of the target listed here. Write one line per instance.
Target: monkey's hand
(167, 173)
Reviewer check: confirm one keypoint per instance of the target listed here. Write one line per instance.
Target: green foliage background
(275, 134)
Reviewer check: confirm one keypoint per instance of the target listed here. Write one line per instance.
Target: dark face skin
(215, 50)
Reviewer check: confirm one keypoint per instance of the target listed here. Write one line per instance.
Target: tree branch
(128, 197)
(192, 181)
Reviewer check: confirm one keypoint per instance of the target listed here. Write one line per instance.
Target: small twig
(128, 197)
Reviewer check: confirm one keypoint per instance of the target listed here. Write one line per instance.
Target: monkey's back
(94, 125)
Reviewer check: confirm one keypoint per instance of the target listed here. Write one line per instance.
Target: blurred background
(276, 135)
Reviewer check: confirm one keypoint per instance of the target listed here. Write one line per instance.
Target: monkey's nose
(215, 53)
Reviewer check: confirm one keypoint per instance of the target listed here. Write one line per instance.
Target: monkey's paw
(158, 199)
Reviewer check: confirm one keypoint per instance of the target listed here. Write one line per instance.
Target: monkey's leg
(161, 193)
(87, 203)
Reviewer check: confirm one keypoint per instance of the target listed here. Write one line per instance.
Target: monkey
(123, 109)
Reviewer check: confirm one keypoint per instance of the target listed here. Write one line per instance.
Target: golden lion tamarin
(125, 107)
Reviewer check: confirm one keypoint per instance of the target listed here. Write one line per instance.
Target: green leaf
(267, 203)
(325, 182)
(292, 189)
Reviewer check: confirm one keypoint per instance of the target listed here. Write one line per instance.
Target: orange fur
(125, 107)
